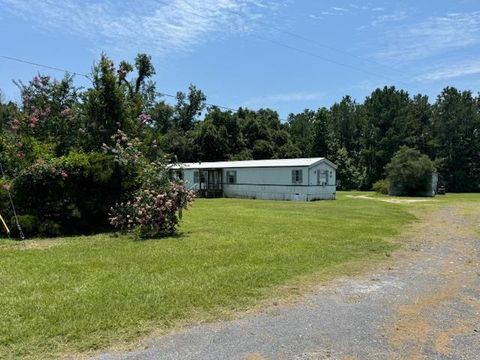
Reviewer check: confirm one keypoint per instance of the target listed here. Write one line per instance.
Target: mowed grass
(75, 295)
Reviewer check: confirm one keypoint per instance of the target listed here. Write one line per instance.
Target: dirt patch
(444, 338)
(392, 200)
(421, 323)
(30, 245)
(254, 356)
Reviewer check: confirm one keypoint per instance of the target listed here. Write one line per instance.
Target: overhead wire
(43, 66)
(277, 43)
(310, 53)
(161, 93)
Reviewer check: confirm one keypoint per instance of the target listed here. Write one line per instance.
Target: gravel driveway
(424, 306)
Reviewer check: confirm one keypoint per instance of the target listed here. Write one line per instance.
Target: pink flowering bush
(124, 150)
(48, 111)
(156, 206)
(153, 213)
(145, 118)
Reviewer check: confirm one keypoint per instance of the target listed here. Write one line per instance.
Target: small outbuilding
(302, 179)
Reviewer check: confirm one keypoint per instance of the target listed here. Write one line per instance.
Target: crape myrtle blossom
(153, 212)
(156, 207)
(65, 112)
(145, 118)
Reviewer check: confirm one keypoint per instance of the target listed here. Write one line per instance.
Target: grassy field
(75, 295)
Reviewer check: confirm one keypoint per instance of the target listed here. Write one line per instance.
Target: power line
(215, 105)
(306, 52)
(326, 59)
(43, 66)
(333, 48)
(80, 74)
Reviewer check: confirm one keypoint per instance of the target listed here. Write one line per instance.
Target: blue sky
(288, 55)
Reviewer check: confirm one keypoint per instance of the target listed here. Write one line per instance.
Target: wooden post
(5, 225)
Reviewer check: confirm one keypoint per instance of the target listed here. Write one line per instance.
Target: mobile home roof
(303, 162)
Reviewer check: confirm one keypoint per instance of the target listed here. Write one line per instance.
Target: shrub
(381, 186)
(153, 213)
(50, 229)
(155, 208)
(5, 209)
(409, 172)
(28, 223)
(69, 195)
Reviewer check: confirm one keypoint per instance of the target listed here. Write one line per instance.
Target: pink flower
(145, 118)
(6, 187)
(15, 124)
(20, 155)
(66, 111)
(33, 121)
(63, 174)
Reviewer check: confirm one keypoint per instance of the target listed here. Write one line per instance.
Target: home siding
(274, 183)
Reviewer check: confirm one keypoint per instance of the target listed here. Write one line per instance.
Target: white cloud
(432, 36)
(350, 9)
(284, 98)
(389, 18)
(153, 26)
(331, 13)
(359, 7)
(450, 71)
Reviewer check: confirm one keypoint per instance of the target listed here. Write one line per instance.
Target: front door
(211, 183)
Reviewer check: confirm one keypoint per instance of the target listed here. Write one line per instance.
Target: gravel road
(423, 305)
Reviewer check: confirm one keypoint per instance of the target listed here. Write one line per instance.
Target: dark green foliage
(381, 186)
(5, 208)
(410, 172)
(105, 106)
(348, 174)
(69, 195)
(385, 112)
(301, 128)
(188, 108)
(30, 226)
(262, 149)
(456, 128)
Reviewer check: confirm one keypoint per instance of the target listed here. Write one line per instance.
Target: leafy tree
(106, 105)
(188, 108)
(410, 172)
(301, 130)
(262, 150)
(456, 127)
(8, 112)
(417, 128)
(349, 175)
(346, 121)
(322, 139)
(385, 112)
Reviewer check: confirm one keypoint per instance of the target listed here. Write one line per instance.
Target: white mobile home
(280, 179)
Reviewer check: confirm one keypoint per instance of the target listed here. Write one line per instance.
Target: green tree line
(55, 118)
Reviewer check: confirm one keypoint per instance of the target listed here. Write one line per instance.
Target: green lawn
(75, 295)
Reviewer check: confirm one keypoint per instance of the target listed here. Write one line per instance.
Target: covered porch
(210, 183)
